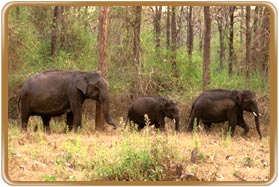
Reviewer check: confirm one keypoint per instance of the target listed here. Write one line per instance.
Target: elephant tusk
(174, 120)
(255, 114)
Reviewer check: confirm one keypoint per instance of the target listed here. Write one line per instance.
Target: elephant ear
(82, 84)
(239, 98)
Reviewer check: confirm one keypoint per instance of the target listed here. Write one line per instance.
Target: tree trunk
(54, 31)
(190, 35)
(221, 43)
(231, 50)
(137, 11)
(157, 29)
(265, 41)
(173, 41)
(206, 47)
(168, 28)
(102, 60)
(248, 44)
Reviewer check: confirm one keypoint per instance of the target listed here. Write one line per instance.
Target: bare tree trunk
(54, 31)
(138, 84)
(265, 41)
(102, 60)
(157, 29)
(231, 50)
(190, 35)
(222, 46)
(248, 44)
(168, 28)
(206, 47)
(137, 21)
(173, 41)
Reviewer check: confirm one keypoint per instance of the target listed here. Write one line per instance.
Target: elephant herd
(55, 92)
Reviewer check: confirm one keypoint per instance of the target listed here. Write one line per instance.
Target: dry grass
(90, 155)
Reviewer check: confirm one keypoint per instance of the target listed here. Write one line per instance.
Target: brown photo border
(273, 92)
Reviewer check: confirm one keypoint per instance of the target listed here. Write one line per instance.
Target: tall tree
(102, 59)
(54, 31)
(137, 21)
(265, 41)
(173, 40)
(168, 28)
(231, 49)
(206, 47)
(220, 22)
(157, 26)
(190, 34)
(248, 44)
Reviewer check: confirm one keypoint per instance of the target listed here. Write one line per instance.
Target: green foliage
(30, 31)
(49, 177)
(139, 157)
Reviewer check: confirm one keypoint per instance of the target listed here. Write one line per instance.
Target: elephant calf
(53, 93)
(157, 108)
(220, 105)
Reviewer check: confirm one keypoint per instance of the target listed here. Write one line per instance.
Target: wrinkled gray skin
(53, 93)
(219, 105)
(157, 108)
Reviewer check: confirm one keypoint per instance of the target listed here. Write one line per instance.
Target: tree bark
(173, 41)
(190, 35)
(168, 28)
(248, 44)
(54, 31)
(157, 25)
(137, 21)
(206, 48)
(102, 60)
(231, 49)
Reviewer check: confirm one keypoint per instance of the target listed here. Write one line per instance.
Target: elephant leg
(77, 115)
(243, 124)
(162, 125)
(46, 120)
(232, 122)
(69, 121)
(24, 121)
(207, 126)
(191, 124)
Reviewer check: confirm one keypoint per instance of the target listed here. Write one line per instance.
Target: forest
(176, 52)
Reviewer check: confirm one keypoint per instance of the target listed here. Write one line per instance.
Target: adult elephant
(157, 108)
(55, 92)
(220, 105)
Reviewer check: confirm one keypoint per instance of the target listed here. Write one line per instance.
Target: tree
(173, 41)
(206, 47)
(157, 27)
(219, 17)
(168, 28)
(54, 31)
(248, 44)
(102, 60)
(231, 50)
(190, 35)
(137, 21)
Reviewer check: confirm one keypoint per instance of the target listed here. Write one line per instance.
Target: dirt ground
(208, 156)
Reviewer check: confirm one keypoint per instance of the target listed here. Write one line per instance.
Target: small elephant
(55, 92)
(220, 105)
(157, 108)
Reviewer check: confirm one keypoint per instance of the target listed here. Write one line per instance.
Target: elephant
(157, 108)
(220, 105)
(55, 92)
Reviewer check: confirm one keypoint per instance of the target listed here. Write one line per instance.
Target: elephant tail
(126, 121)
(18, 109)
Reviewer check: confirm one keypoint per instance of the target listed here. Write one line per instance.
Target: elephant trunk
(106, 109)
(107, 117)
(256, 115)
